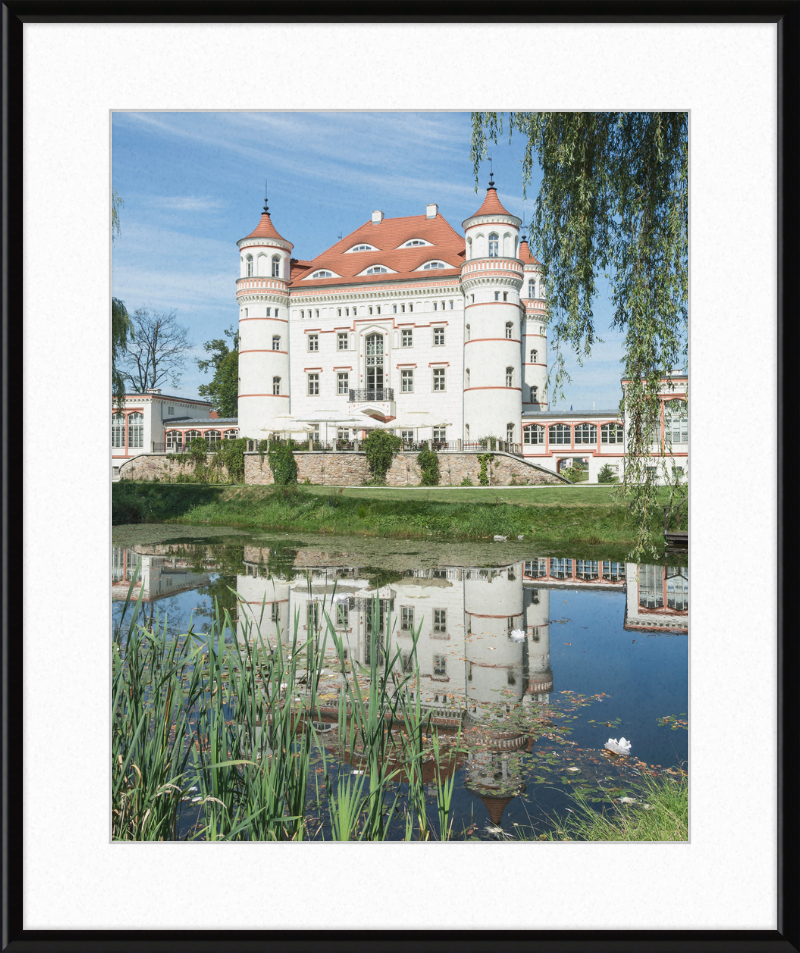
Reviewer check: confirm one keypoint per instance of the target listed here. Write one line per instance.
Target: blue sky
(193, 185)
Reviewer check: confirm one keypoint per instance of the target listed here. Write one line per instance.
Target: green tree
(380, 447)
(613, 201)
(223, 391)
(121, 324)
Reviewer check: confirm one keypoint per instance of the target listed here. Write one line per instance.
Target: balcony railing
(371, 393)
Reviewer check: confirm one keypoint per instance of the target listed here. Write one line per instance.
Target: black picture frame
(784, 13)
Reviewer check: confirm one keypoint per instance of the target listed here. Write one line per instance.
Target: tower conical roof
(525, 253)
(491, 204)
(265, 229)
(495, 806)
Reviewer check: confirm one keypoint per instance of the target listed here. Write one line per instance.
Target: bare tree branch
(158, 351)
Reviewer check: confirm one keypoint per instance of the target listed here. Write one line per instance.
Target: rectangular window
(407, 337)
(394, 309)
(343, 383)
(276, 343)
(407, 436)
(677, 421)
(438, 378)
(342, 614)
(407, 382)
(312, 616)
(341, 341)
(343, 433)
(408, 663)
(509, 377)
(440, 620)
(560, 434)
(313, 342)
(170, 410)
(118, 431)
(316, 312)
(440, 666)
(313, 385)
(435, 306)
(585, 433)
(339, 312)
(533, 435)
(497, 296)
(411, 307)
(505, 296)
(379, 309)
(452, 304)
(269, 311)
(370, 310)
(347, 312)
(439, 434)
(407, 617)
(438, 336)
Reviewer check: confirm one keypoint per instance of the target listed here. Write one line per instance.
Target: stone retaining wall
(350, 468)
(152, 466)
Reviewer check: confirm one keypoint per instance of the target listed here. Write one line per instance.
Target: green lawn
(550, 515)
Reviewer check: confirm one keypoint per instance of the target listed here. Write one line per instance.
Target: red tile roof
(491, 205)
(265, 229)
(448, 246)
(525, 255)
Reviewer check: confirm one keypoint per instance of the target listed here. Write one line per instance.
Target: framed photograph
(372, 328)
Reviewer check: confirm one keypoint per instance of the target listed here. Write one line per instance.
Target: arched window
(560, 434)
(468, 332)
(118, 430)
(191, 435)
(249, 266)
(230, 435)
(276, 266)
(509, 433)
(276, 342)
(466, 378)
(509, 328)
(534, 356)
(585, 433)
(174, 440)
(509, 377)
(469, 249)
(533, 434)
(276, 385)
(676, 418)
(494, 242)
(611, 433)
(323, 274)
(534, 394)
(532, 288)
(212, 437)
(433, 264)
(466, 431)
(136, 431)
(377, 270)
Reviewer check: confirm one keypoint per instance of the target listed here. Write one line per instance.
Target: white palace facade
(407, 320)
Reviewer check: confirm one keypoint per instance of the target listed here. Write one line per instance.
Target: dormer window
(414, 243)
(377, 270)
(433, 264)
(494, 245)
(361, 248)
(324, 274)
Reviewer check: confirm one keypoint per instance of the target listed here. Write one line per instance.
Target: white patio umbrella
(337, 417)
(416, 420)
(286, 423)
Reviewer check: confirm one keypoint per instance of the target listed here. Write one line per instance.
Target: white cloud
(182, 203)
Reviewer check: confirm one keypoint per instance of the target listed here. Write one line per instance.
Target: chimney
(377, 217)
(153, 390)
(431, 211)
(213, 415)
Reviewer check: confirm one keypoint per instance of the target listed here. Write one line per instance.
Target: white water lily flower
(618, 747)
(518, 635)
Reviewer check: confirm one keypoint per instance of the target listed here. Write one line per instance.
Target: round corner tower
(262, 293)
(534, 332)
(491, 280)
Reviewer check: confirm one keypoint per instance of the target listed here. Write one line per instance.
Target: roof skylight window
(377, 270)
(429, 265)
(361, 248)
(414, 243)
(324, 273)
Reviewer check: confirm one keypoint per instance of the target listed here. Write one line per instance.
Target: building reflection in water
(473, 676)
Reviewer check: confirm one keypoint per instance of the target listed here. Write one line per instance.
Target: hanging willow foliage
(613, 201)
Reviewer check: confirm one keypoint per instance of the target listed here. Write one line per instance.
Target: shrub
(282, 463)
(466, 482)
(606, 475)
(484, 459)
(230, 454)
(429, 464)
(380, 448)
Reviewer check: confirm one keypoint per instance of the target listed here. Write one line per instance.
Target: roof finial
(266, 209)
(491, 174)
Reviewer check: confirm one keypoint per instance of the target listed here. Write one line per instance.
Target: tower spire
(266, 208)
(491, 174)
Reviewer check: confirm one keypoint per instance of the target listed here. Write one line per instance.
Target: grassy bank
(662, 815)
(551, 516)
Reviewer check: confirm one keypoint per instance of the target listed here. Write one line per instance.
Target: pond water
(528, 663)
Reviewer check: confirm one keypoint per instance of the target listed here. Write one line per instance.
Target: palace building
(404, 320)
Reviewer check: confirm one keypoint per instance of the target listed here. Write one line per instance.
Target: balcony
(369, 394)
